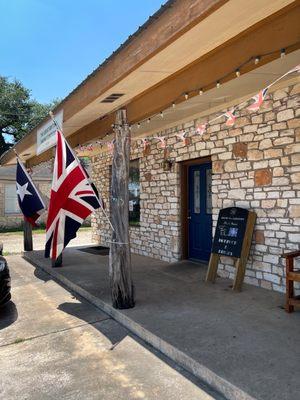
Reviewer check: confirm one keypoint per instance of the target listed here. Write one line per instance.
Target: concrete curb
(227, 389)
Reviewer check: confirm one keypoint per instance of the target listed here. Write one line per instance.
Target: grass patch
(19, 340)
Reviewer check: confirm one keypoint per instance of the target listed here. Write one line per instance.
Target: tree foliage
(19, 113)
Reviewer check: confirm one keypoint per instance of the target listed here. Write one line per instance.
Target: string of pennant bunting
(230, 117)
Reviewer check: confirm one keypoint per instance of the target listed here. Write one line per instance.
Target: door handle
(189, 217)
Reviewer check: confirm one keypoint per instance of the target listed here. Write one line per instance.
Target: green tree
(19, 113)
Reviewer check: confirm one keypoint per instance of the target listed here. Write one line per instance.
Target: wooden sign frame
(240, 263)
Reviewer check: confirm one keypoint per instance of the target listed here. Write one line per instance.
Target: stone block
(294, 211)
(263, 177)
(295, 159)
(248, 183)
(295, 90)
(257, 119)
(230, 166)
(294, 237)
(238, 194)
(273, 153)
(243, 166)
(234, 183)
(259, 237)
(285, 115)
(250, 128)
(240, 150)
(279, 126)
(242, 121)
(260, 164)
(225, 156)
(218, 167)
(295, 178)
(280, 94)
(268, 203)
(235, 132)
(278, 171)
(283, 140)
(255, 155)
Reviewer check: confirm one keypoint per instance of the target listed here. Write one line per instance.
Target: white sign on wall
(46, 134)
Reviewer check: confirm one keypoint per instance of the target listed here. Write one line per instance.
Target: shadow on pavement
(107, 326)
(115, 332)
(40, 274)
(8, 315)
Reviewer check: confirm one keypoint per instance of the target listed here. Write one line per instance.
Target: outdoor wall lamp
(167, 164)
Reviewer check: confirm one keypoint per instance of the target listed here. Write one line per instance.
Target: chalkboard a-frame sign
(233, 238)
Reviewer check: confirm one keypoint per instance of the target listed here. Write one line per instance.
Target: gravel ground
(13, 242)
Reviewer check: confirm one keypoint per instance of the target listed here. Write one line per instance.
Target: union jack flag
(258, 100)
(72, 199)
(230, 118)
(201, 129)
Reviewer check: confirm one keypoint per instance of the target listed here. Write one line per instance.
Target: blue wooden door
(199, 212)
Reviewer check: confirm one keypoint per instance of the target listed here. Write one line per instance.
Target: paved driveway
(56, 346)
(13, 242)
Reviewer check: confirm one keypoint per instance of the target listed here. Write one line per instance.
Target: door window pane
(208, 192)
(197, 192)
(134, 192)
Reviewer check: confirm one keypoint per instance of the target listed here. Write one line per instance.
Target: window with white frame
(11, 199)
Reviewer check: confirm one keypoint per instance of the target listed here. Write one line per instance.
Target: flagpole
(27, 231)
(100, 202)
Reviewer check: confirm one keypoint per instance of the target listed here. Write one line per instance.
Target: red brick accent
(263, 177)
(240, 150)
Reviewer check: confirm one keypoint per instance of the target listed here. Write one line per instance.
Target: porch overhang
(175, 52)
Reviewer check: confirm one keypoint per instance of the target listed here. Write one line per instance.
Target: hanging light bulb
(218, 84)
(161, 114)
(201, 92)
(173, 105)
(257, 60)
(148, 120)
(282, 53)
(138, 125)
(238, 73)
(186, 96)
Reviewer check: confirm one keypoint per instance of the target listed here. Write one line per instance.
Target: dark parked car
(5, 295)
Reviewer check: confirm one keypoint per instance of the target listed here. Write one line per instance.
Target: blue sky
(52, 45)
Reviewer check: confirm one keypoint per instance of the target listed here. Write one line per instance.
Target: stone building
(254, 165)
(190, 63)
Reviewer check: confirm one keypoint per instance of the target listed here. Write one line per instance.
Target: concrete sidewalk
(243, 344)
(54, 345)
(13, 241)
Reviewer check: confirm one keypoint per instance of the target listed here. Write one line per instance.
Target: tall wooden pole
(120, 275)
(27, 230)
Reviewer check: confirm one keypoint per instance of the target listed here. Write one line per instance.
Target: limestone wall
(256, 165)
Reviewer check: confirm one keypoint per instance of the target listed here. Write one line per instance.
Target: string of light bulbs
(256, 102)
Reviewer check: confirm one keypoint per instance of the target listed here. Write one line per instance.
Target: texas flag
(30, 201)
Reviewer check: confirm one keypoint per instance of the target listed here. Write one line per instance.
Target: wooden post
(212, 268)
(120, 275)
(27, 229)
(242, 261)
